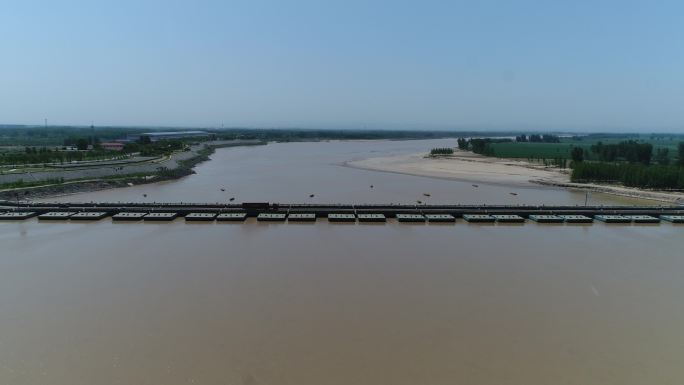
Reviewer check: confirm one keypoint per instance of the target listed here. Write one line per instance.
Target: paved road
(99, 163)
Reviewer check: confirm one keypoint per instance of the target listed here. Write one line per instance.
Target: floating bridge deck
(275, 212)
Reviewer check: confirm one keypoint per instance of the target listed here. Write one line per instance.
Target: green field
(534, 150)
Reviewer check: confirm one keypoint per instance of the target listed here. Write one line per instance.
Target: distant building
(113, 146)
(167, 135)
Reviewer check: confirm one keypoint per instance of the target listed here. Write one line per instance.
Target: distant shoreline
(468, 167)
(183, 167)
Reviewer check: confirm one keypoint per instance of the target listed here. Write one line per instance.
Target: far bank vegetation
(653, 162)
(442, 151)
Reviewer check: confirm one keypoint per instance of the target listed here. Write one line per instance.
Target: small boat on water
(475, 185)
(427, 195)
(513, 193)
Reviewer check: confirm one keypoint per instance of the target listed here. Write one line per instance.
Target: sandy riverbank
(464, 166)
(470, 167)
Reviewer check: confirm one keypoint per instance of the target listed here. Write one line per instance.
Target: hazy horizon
(530, 65)
(454, 130)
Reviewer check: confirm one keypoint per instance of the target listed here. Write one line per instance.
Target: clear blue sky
(582, 65)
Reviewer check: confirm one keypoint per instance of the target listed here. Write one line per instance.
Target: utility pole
(92, 134)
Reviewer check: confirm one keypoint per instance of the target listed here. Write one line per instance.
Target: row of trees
(631, 175)
(442, 151)
(479, 145)
(462, 143)
(629, 150)
(636, 171)
(536, 138)
(147, 148)
(82, 143)
(662, 156)
(41, 155)
(482, 146)
(556, 162)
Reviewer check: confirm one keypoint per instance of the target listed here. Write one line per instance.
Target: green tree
(442, 151)
(662, 156)
(577, 154)
(145, 139)
(82, 144)
(462, 144)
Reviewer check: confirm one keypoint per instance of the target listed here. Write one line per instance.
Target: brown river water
(254, 303)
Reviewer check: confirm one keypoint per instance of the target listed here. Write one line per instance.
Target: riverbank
(463, 166)
(48, 189)
(76, 187)
(174, 167)
(474, 168)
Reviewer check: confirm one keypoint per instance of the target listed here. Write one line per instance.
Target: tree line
(629, 162)
(635, 171)
(480, 146)
(442, 151)
(536, 138)
(630, 174)
(148, 148)
(629, 150)
(33, 155)
(43, 155)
